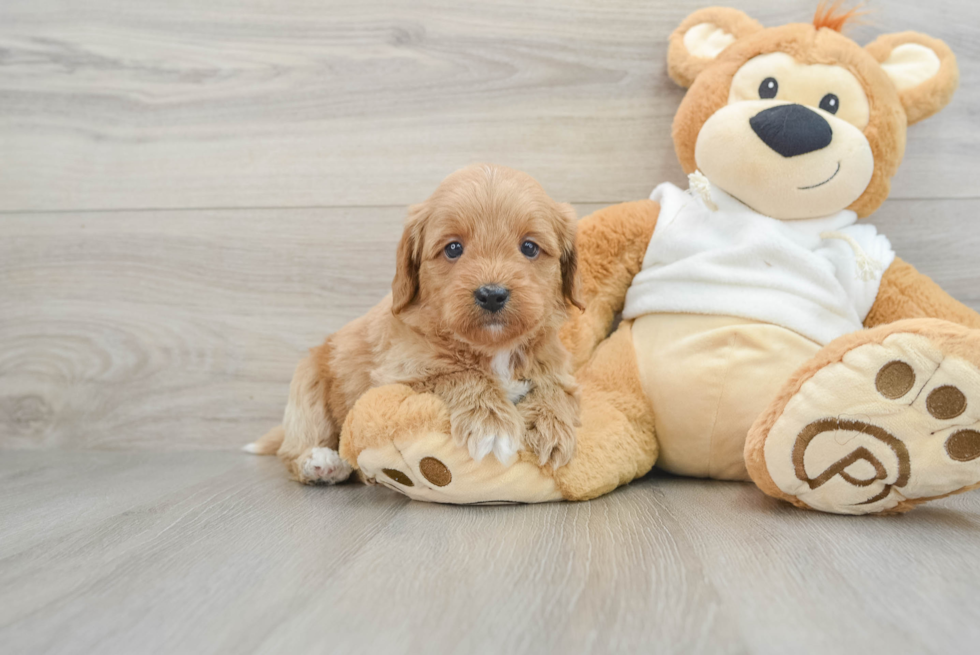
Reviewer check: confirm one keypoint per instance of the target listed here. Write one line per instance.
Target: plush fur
(921, 102)
(613, 404)
(682, 66)
(907, 293)
(431, 335)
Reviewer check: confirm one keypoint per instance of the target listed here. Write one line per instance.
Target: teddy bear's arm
(907, 293)
(611, 244)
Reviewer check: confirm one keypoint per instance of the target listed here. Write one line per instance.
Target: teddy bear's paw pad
(430, 468)
(435, 471)
(398, 477)
(323, 466)
(892, 422)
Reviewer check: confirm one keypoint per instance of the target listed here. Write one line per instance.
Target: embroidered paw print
(894, 421)
(945, 403)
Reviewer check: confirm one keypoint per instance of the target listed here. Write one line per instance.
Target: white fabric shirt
(733, 261)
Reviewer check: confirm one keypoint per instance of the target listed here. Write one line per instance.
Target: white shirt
(734, 261)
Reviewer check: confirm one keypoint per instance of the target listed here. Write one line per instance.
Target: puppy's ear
(567, 224)
(405, 287)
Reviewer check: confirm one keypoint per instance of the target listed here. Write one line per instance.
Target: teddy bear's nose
(792, 130)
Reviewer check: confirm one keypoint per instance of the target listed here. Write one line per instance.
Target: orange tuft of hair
(833, 17)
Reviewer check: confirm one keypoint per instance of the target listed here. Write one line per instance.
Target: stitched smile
(804, 188)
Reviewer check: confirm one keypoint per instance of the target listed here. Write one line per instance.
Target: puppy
(485, 274)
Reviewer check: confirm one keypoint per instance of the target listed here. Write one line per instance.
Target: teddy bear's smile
(784, 159)
(820, 184)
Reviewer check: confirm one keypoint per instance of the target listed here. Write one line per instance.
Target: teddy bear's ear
(703, 36)
(923, 70)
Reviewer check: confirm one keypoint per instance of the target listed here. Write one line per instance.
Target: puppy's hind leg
(311, 436)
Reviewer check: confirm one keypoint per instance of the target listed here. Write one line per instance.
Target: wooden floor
(193, 192)
(137, 552)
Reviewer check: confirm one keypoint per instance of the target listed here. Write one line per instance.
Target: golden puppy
(485, 271)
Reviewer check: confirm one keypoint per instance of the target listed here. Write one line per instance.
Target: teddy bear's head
(799, 121)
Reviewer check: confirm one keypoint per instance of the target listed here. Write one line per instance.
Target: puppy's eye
(769, 88)
(530, 249)
(830, 103)
(454, 250)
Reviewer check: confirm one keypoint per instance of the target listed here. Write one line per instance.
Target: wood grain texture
(299, 103)
(218, 553)
(180, 329)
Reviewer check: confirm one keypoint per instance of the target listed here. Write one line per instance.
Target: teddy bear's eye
(830, 103)
(769, 88)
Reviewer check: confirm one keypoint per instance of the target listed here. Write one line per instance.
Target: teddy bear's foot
(888, 421)
(401, 439)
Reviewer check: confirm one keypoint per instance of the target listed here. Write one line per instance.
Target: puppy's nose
(491, 297)
(792, 130)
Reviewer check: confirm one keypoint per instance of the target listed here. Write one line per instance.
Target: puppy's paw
(550, 437)
(486, 430)
(321, 466)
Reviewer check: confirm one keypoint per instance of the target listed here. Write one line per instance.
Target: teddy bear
(755, 326)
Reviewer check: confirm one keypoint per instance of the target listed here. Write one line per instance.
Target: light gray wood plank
(180, 329)
(796, 580)
(146, 104)
(120, 315)
(151, 553)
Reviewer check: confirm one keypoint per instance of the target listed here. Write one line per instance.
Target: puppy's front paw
(321, 466)
(550, 437)
(487, 430)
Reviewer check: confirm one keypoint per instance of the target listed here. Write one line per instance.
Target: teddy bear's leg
(401, 439)
(878, 422)
(617, 441)
(906, 293)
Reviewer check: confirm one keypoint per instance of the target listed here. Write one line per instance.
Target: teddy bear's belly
(709, 378)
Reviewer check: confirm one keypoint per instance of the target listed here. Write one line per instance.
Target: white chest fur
(501, 365)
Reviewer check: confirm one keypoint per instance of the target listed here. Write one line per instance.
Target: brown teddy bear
(767, 334)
